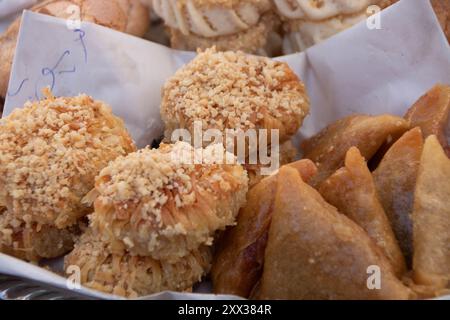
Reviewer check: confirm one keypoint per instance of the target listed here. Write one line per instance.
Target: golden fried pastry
(308, 22)
(230, 91)
(156, 203)
(239, 260)
(442, 9)
(314, 252)
(230, 25)
(352, 191)
(395, 180)
(431, 217)
(431, 112)
(128, 16)
(328, 148)
(133, 276)
(31, 242)
(287, 154)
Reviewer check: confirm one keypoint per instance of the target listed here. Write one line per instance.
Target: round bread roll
(133, 276)
(232, 90)
(155, 203)
(50, 153)
(307, 22)
(129, 16)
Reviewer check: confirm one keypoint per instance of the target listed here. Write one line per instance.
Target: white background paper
(359, 70)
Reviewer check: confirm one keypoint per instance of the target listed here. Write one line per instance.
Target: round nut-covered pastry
(132, 276)
(308, 22)
(129, 16)
(232, 90)
(158, 203)
(50, 152)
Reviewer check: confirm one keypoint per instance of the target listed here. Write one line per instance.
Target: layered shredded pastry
(308, 22)
(129, 16)
(133, 276)
(156, 203)
(211, 18)
(50, 152)
(232, 90)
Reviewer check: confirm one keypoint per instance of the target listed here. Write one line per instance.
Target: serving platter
(15, 288)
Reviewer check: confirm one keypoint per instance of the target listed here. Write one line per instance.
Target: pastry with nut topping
(159, 203)
(50, 152)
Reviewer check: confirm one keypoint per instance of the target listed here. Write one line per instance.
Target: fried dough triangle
(395, 180)
(431, 217)
(352, 191)
(240, 253)
(314, 252)
(368, 133)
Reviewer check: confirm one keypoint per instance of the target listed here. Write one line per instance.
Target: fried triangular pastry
(431, 217)
(314, 252)
(395, 180)
(240, 253)
(352, 191)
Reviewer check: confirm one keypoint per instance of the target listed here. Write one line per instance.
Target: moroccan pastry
(159, 203)
(239, 260)
(315, 252)
(308, 22)
(352, 191)
(50, 152)
(229, 25)
(133, 276)
(328, 148)
(230, 91)
(431, 217)
(431, 114)
(128, 16)
(395, 180)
